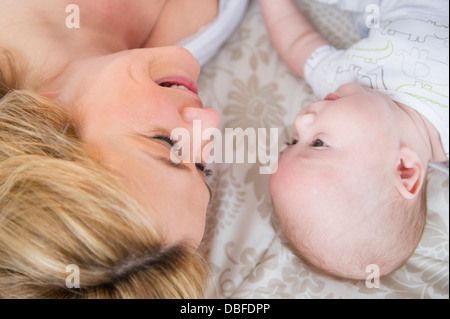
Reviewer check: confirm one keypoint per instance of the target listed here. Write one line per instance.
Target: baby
(350, 190)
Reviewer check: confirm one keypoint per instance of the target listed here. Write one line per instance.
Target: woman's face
(126, 110)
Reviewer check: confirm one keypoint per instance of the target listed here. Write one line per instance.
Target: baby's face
(341, 147)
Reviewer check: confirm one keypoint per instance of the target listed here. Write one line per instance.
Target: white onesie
(209, 39)
(406, 57)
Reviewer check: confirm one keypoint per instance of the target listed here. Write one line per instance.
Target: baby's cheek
(278, 180)
(281, 188)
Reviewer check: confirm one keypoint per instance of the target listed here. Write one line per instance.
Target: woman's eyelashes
(166, 138)
(173, 144)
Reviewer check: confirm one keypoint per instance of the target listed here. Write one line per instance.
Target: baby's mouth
(332, 97)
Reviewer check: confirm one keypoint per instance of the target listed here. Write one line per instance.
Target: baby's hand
(292, 34)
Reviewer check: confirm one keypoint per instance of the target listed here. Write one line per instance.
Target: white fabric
(406, 58)
(205, 43)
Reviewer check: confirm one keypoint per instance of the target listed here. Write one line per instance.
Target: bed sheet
(249, 85)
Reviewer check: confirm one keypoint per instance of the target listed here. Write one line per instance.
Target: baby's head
(347, 193)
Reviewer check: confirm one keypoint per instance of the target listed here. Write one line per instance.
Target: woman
(67, 227)
(120, 90)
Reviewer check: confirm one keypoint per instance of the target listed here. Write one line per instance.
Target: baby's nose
(304, 120)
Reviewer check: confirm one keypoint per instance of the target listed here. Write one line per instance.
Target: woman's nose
(204, 122)
(209, 118)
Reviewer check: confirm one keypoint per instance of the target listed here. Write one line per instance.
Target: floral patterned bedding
(250, 87)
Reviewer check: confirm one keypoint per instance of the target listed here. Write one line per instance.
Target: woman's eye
(318, 143)
(174, 145)
(166, 138)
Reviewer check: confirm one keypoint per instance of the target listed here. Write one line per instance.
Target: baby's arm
(292, 34)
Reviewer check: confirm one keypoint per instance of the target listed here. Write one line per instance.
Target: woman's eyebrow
(180, 166)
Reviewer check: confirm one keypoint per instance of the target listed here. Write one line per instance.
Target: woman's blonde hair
(64, 219)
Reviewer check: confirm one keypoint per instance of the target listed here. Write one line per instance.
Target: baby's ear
(410, 173)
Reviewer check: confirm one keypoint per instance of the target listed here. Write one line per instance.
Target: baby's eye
(292, 143)
(318, 143)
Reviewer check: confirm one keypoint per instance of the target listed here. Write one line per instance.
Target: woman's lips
(187, 82)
